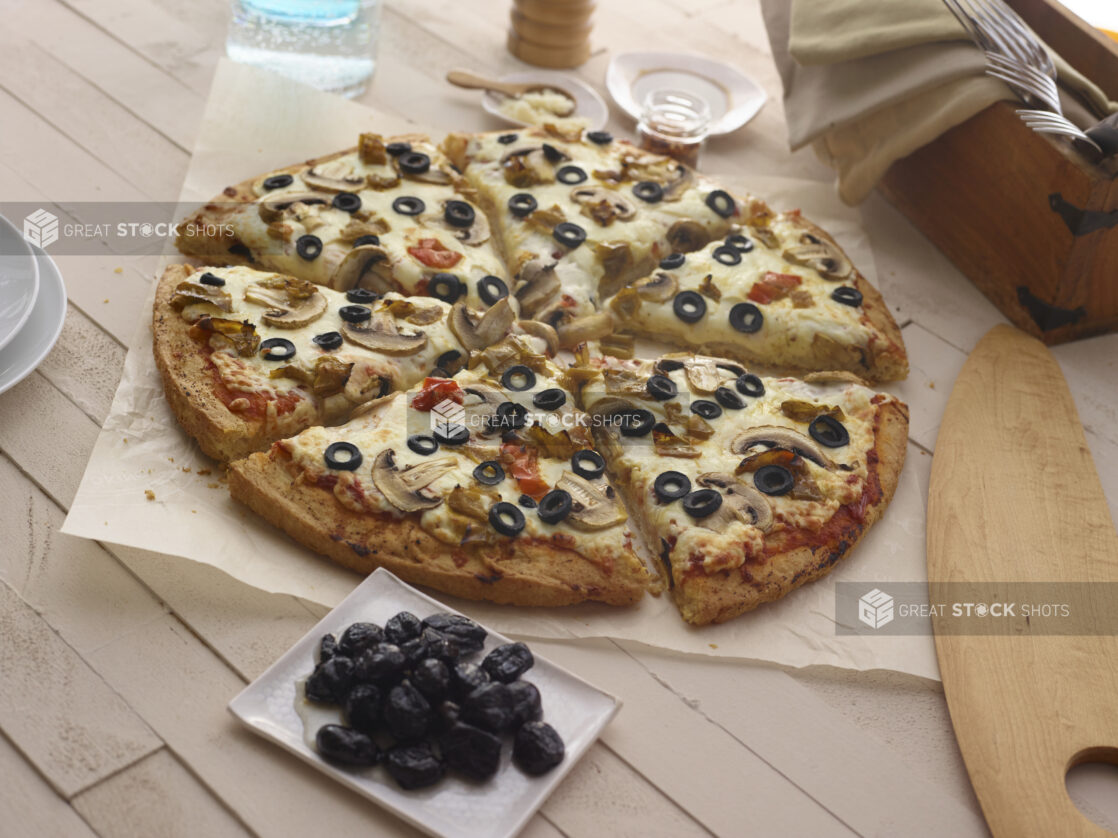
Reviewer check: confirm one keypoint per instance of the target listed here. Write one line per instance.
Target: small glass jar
(675, 123)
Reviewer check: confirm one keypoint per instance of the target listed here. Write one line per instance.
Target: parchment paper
(254, 122)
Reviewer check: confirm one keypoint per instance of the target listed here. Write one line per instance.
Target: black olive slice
(702, 503)
(489, 473)
(637, 422)
(355, 313)
(550, 399)
(599, 137)
(451, 434)
(750, 385)
(746, 318)
(414, 162)
(672, 261)
(661, 388)
(847, 296)
(742, 243)
(347, 202)
(396, 149)
(459, 214)
(309, 247)
(829, 431)
(362, 241)
(362, 296)
(728, 398)
(277, 349)
(721, 202)
(492, 289)
(522, 204)
(423, 444)
(552, 154)
(506, 518)
(649, 191)
(408, 205)
(518, 378)
(588, 463)
(343, 456)
(511, 416)
(671, 485)
(689, 306)
(570, 175)
(527, 501)
(277, 182)
(773, 480)
(554, 506)
(210, 279)
(507, 139)
(727, 254)
(328, 340)
(568, 234)
(706, 409)
(446, 287)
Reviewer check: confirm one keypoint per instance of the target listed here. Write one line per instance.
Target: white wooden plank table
(116, 665)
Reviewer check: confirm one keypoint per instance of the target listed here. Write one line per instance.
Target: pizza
(249, 357)
(388, 215)
(745, 487)
(777, 291)
(485, 485)
(579, 216)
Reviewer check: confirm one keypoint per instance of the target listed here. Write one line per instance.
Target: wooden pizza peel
(1014, 497)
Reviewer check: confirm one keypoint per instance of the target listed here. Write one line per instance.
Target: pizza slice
(580, 215)
(249, 357)
(485, 486)
(746, 487)
(388, 215)
(777, 291)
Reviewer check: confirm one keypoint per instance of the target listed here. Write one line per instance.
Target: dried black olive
(750, 385)
(408, 205)
(465, 632)
(308, 247)
(829, 431)
(328, 340)
(407, 714)
(537, 748)
(326, 649)
(554, 506)
(381, 664)
(415, 650)
(508, 662)
(526, 703)
(396, 149)
(403, 627)
(506, 518)
(359, 637)
(277, 181)
(721, 202)
(661, 388)
(362, 241)
(728, 398)
(355, 313)
(689, 306)
(671, 485)
(847, 296)
(489, 707)
(414, 766)
(527, 501)
(471, 750)
(507, 139)
(727, 254)
(210, 279)
(451, 434)
(423, 444)
(467, 677)
(522, 204)
(518, 378)
(277, 349)
(342, 456)
(347, 202)
(649, 191)
(446, 287)
(458, 214)
(363, 707)
(489, 473)
(746, 318)
(702, 502)
(414, 162)
(672, 261)
(706, 409)
(636, 422)
(331, 680)
(774, 480)
(345, 745)
(550, 399)
(447, 714)
(588, 463)
(440, 645)
(568, 234)
(492, 289)
(599, 137)
(431, 677)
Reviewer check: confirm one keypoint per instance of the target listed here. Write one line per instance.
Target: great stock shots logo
(446, 416)
(875, 609)
(40, 228)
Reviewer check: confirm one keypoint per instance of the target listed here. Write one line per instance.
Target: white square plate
(453, 807)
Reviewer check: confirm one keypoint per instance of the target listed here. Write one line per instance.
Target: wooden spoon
(514, 90)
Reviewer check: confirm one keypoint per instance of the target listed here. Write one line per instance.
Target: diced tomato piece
(773, 286)
(434, 254)
(436, 390)
(521, 464)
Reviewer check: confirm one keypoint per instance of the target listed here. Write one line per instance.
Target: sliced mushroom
(291, 302)
(492, 326)
(543, 331)
(365, 267)
(674, 190)
(368, 226)
(833, 377)
(610, 405)
(482, 401)
(200, 299)
(658, 288)
(271, 209)
(687, 236)
(592, 507)
(581, 329)
(379, 182)
(822, 257)
(539, 285)
(772, 436)
(477, 233)
(703, 375)
(402, 489)
(740, 502)
(380, 334)
(334, 176)
(603, 205)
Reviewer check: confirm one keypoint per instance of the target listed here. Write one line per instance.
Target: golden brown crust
(717, 597)
(527, 574)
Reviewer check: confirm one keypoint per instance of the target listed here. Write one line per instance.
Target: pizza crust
(528, 574)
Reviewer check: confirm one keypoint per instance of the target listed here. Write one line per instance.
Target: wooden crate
(1027, 219)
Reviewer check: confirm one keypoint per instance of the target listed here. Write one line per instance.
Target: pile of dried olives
(412, 701)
